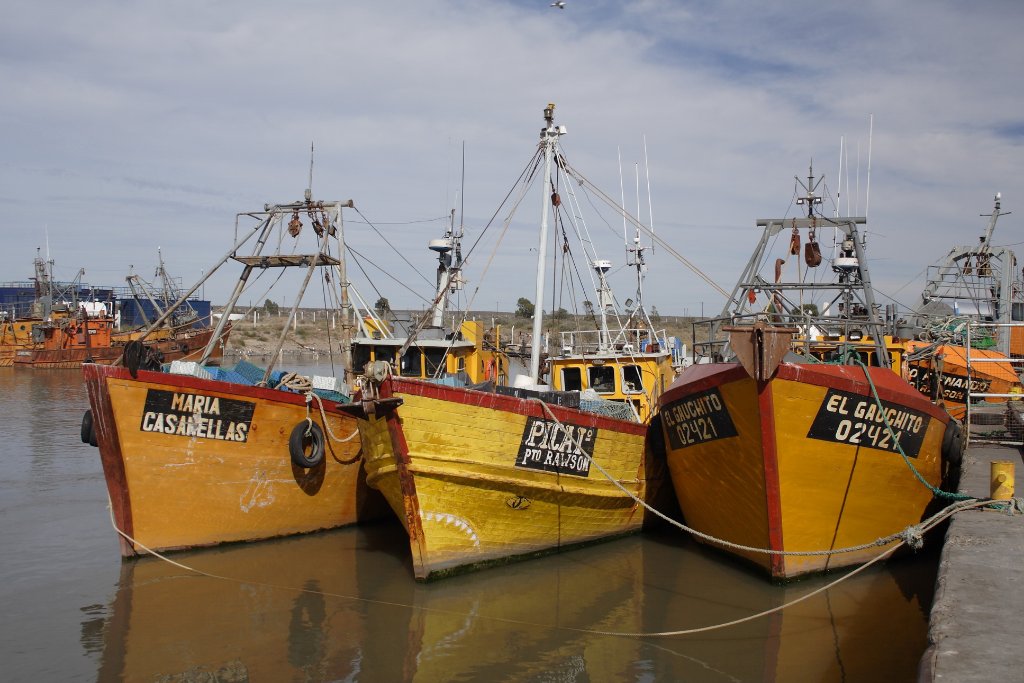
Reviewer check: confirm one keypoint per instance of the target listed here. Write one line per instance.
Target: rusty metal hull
(183, 347)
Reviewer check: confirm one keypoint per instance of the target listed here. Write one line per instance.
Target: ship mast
(548, 140)
(852, 290)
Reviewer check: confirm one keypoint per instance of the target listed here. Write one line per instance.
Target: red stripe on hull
(512, 404)
(770, 457)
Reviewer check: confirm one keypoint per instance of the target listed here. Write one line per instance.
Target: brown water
(343, 606)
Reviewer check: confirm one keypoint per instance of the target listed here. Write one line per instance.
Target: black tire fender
(953, 443)
(306, 451)
(88, 429)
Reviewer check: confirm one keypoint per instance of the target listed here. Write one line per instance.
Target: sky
(131, 126)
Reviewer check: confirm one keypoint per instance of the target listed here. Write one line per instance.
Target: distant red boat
(68, 342)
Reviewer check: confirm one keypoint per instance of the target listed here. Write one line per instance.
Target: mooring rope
(304, 385)
(938, 518)
(850, 354)
(911, 535)
(932, 522)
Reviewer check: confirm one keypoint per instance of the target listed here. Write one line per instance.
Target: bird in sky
(559, 5)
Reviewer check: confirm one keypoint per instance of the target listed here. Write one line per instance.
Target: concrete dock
(976, 627)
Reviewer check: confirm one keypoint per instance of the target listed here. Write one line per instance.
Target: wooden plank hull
(801, 462)
(465, 472)
(184, 472)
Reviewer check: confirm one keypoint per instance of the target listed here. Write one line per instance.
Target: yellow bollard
(1002, 479)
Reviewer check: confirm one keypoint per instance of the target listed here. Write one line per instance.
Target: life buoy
(88, 429)
(306, 450)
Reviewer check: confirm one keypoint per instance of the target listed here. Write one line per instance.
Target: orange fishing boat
(196, 461)
(801, 458)
(797, 465)
(940, 372)
(15, 336)
(197, 455)
(975, 297)
(481, 477)
(68, 342)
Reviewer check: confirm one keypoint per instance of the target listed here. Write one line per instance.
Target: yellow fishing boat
(196, 455)
(801, 460)
(795, 464)
(629, 365)
(195, 461)
(479, 477)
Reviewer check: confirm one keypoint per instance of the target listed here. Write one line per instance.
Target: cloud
(128, 126)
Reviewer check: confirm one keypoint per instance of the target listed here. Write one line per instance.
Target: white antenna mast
(622, 198)
(871, 130)
(650, 207)
(839, 191)
(309, 187)
(857, 203)
(636, 172)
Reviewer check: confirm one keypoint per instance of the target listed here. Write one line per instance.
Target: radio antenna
(309, 187)
(871, 129)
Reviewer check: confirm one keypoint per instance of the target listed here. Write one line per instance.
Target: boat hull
(802, 462)
(227, 477)
(464, 472)
(990, 372)
(184, 347)
(15, 336)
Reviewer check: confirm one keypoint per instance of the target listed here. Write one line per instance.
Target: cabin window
(602, 379)
(435, 360)
(460, 364)
(360, 357)
(632, 383)
(572, 379)
(412, 363)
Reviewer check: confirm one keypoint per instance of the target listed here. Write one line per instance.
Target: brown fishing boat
(15, 336)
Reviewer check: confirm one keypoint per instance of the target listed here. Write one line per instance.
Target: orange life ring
(489, 369)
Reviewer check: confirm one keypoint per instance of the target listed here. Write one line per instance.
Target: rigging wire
(388, 242)
(359, 257)
(661, 242)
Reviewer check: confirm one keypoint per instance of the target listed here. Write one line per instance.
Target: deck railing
(983, 417)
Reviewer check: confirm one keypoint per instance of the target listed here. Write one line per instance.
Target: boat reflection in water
(339, 605)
